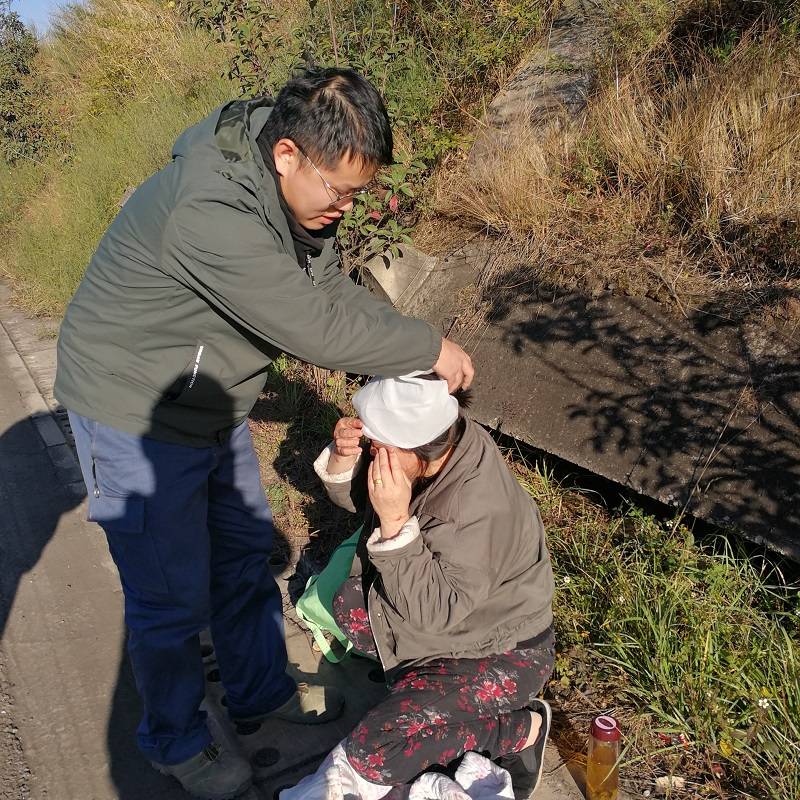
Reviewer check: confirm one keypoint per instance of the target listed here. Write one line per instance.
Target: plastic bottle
(602, 770)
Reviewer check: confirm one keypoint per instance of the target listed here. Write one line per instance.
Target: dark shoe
(213, 774)
(309, 705)
(525, 767)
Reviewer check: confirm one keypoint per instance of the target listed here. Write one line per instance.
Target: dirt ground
(14, 773)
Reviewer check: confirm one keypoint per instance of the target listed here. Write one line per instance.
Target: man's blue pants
(190, 531)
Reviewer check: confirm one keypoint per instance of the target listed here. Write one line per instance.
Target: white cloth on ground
(477, 778)
(335, 779)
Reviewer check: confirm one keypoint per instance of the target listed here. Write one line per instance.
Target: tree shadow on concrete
(702, 411)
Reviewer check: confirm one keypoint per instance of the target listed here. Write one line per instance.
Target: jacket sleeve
(342, 487)
(436, 586)
(341, 287)
(225, 253)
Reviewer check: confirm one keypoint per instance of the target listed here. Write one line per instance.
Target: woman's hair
(427, 453)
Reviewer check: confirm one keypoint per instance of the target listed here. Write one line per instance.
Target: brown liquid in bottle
(602, 769)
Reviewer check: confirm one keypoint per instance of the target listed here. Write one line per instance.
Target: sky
(35, 12)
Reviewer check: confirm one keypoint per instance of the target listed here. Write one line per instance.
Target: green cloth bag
(315, 606)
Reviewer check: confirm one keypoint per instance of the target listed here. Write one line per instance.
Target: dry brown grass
(683, 180)
(103, 53)
(518, 186)
(718, 148)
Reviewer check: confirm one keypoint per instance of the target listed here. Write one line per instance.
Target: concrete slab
(553, 80)
(681, 410)
(48, 429)
(400, 278)
(701, 412)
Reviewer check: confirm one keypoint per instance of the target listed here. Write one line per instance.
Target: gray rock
(553, 81)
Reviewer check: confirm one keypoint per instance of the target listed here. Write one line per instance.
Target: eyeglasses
(335, 196)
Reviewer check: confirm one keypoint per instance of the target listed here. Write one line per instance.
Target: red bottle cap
(605, 729)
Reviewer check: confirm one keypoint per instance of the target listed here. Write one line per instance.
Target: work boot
(309, 705)
(213, 774)
(525, 767)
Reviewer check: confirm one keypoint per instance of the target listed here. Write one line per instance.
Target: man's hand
(454, 366)
(389, 492)
(346, 445)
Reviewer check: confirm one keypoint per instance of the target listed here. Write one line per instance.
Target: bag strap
(319, 635)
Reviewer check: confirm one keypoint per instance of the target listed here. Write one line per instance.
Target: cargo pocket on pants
(131, 545)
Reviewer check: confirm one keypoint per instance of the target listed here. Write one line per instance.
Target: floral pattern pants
(438, 711)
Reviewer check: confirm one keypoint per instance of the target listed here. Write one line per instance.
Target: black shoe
(525, 767)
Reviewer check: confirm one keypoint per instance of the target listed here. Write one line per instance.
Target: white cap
(405, 412)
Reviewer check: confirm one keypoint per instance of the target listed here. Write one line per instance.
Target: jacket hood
(227, 138)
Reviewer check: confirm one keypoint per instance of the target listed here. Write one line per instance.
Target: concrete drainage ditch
(701, 413)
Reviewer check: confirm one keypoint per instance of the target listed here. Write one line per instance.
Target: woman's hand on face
(347, 436)
(346, 445)
(389, 491)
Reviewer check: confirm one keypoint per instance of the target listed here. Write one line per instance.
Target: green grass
(55, 213)
(18, 184)
(682, 638)
(117, 82)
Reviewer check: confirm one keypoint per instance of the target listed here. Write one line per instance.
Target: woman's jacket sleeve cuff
(321, 468)
(408, 533)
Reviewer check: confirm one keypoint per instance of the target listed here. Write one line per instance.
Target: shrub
(23, 124)
(435, 61)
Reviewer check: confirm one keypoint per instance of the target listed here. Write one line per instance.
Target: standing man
(216, 264)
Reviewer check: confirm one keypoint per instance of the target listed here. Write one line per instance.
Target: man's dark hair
(331, 113)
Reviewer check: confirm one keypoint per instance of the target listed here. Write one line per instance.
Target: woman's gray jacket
(469, 574)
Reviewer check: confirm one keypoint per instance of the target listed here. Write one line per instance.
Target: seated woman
(452, 591)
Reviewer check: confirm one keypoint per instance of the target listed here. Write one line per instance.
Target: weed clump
(682, 181)
(695, 644)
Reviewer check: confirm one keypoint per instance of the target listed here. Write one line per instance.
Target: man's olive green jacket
(195, 288)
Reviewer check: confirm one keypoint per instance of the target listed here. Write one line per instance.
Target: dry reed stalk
(683, 183)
